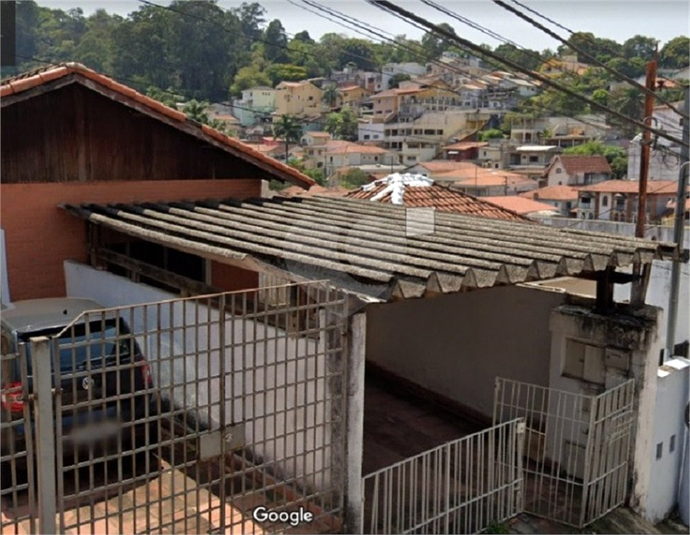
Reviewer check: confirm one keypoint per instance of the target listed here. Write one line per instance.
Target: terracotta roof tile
(552, 193)
(521, 205)
(584, 164)
(654, 187)
(442, 198)
(29, 80)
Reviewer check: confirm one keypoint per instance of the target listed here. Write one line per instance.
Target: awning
(376, 249)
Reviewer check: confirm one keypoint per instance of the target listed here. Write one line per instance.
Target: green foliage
(639, 46)
(342, 125)
(395, 80)
(354, 178)
(289, 129)
(529, 59)
(674, 54)
(285, 72)
(248, 77)
(169, 97)
(276, 43)
(330, 96)
(616, 156)
(497, 527)
(491, 133)
(435, 45)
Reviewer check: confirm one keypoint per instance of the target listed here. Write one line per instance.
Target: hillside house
(523, 206)
(301, 99)
(256, 105)
(576, 170)
(563, 198)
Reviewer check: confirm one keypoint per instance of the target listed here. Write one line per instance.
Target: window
(559, 171)
(534, 159)
(366, 136)
(672, 444)
(605, 200)
(590, 216)
(330, 159)
(659, 450)
(584, 361)
(376, 158)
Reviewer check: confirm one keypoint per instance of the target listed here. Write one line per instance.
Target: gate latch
(210, 444)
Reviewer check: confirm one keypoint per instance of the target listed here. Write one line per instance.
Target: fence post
(447, 488)
(41, 366)
(520, 435)
(593, 411)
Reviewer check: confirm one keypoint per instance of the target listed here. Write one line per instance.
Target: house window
(330, 159)
(584, 361)
(672, 444)
(559, 171)
(605, 201)
(659, 450)
(534, 159)
(376, 158)
(366, 136)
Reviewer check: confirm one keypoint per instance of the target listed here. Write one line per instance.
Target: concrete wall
(660, 278)
(620, 346)
(673, 381)
(39, 235)
(272, 369)
(457, 344)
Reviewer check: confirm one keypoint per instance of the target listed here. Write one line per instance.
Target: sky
(613, 19)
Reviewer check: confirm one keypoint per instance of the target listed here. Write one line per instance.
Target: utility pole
(678, 232)
(645, 149)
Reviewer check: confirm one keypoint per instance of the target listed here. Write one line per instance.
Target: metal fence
(577, 448)
(185, 416)
(463, 486)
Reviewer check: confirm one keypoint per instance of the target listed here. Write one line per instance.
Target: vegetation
(343, 124)
(497, 527)
(616, 156)
(354, 178)
(491, 133)
(289, 129)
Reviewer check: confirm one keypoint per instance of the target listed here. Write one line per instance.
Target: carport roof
(376, 249)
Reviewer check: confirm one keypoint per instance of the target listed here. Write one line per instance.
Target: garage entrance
(211, 414)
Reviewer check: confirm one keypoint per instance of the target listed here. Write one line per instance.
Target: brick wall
(39, 236)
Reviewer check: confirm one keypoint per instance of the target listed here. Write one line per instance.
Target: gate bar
(45, 433)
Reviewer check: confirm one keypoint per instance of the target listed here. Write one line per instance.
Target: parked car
(104, 379)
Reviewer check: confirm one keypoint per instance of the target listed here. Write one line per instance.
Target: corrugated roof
(95, 81)
(372, 248)
(439, 197)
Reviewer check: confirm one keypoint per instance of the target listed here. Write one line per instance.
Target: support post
(678, 233)
(644, 154)
(605, 281)
(354, 502)
(45, 433)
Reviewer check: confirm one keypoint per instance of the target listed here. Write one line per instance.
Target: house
(577, 170)
(315, 139)
(463, 150)
(256, 105)
(535, 156)
(339, 153)
(616, 200)
(419, 191)
(409, 68)
(471, 179)
(664, 160)
(560, 65)
(563, 198)
(300, 99)
(105, 142)
(353, 95)
(522, 205)
(278, 385)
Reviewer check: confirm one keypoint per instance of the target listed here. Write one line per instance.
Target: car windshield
(102, 342)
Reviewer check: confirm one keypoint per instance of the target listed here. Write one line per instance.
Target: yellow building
(302, 99)
(352, 95)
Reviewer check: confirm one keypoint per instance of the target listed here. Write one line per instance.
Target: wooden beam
(604, 302)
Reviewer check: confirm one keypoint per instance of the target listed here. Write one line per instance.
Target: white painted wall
(457, 344)
(673, 381)
(273, 374)
(4, 281)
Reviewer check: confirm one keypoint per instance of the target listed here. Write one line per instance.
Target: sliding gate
(463, 486)
(577, 448)
(213, 414)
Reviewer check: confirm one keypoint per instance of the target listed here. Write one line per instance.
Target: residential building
(300, 99)
(537, 156)
(664, 157)
(616, 200)
(563, 198)
(353, 95)
(315, 139)
(577, 170)
(112, 164)
(256, 105)
(410, 69)
(522, 205)
(419, 191)
(496, 154)
(339, 154)
(559, 65)
(463, 150)
(371, 131)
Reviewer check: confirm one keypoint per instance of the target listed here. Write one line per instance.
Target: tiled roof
(374, 248)
(293, 191)
(583, 164)
(107, 86)
(490, 179)
(654, 187)
(347, 147)
(317, 134)
(552, 193)
(440, 197)
(466, 145)
(521, 205)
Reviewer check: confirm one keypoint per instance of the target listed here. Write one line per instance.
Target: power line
(543, 17)
(407, 16)
(577, 49)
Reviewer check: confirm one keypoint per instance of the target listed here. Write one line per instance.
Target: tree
(639, 47)
(674, 54)
(289, 130)
(251, 18)
(435, 45)
(632, 68)
(330, 96)
(628, 101)
(304, 37)
(285, 72)
(395, 80)
(343, 124)
(169, 97)
(492, 133)
(615, 156)
(248, 77)
(529, 59)
(354, 178)
(276, 43)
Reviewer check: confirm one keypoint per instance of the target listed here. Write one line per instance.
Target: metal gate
(463, 486)
(577, 448)
(212, 414)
